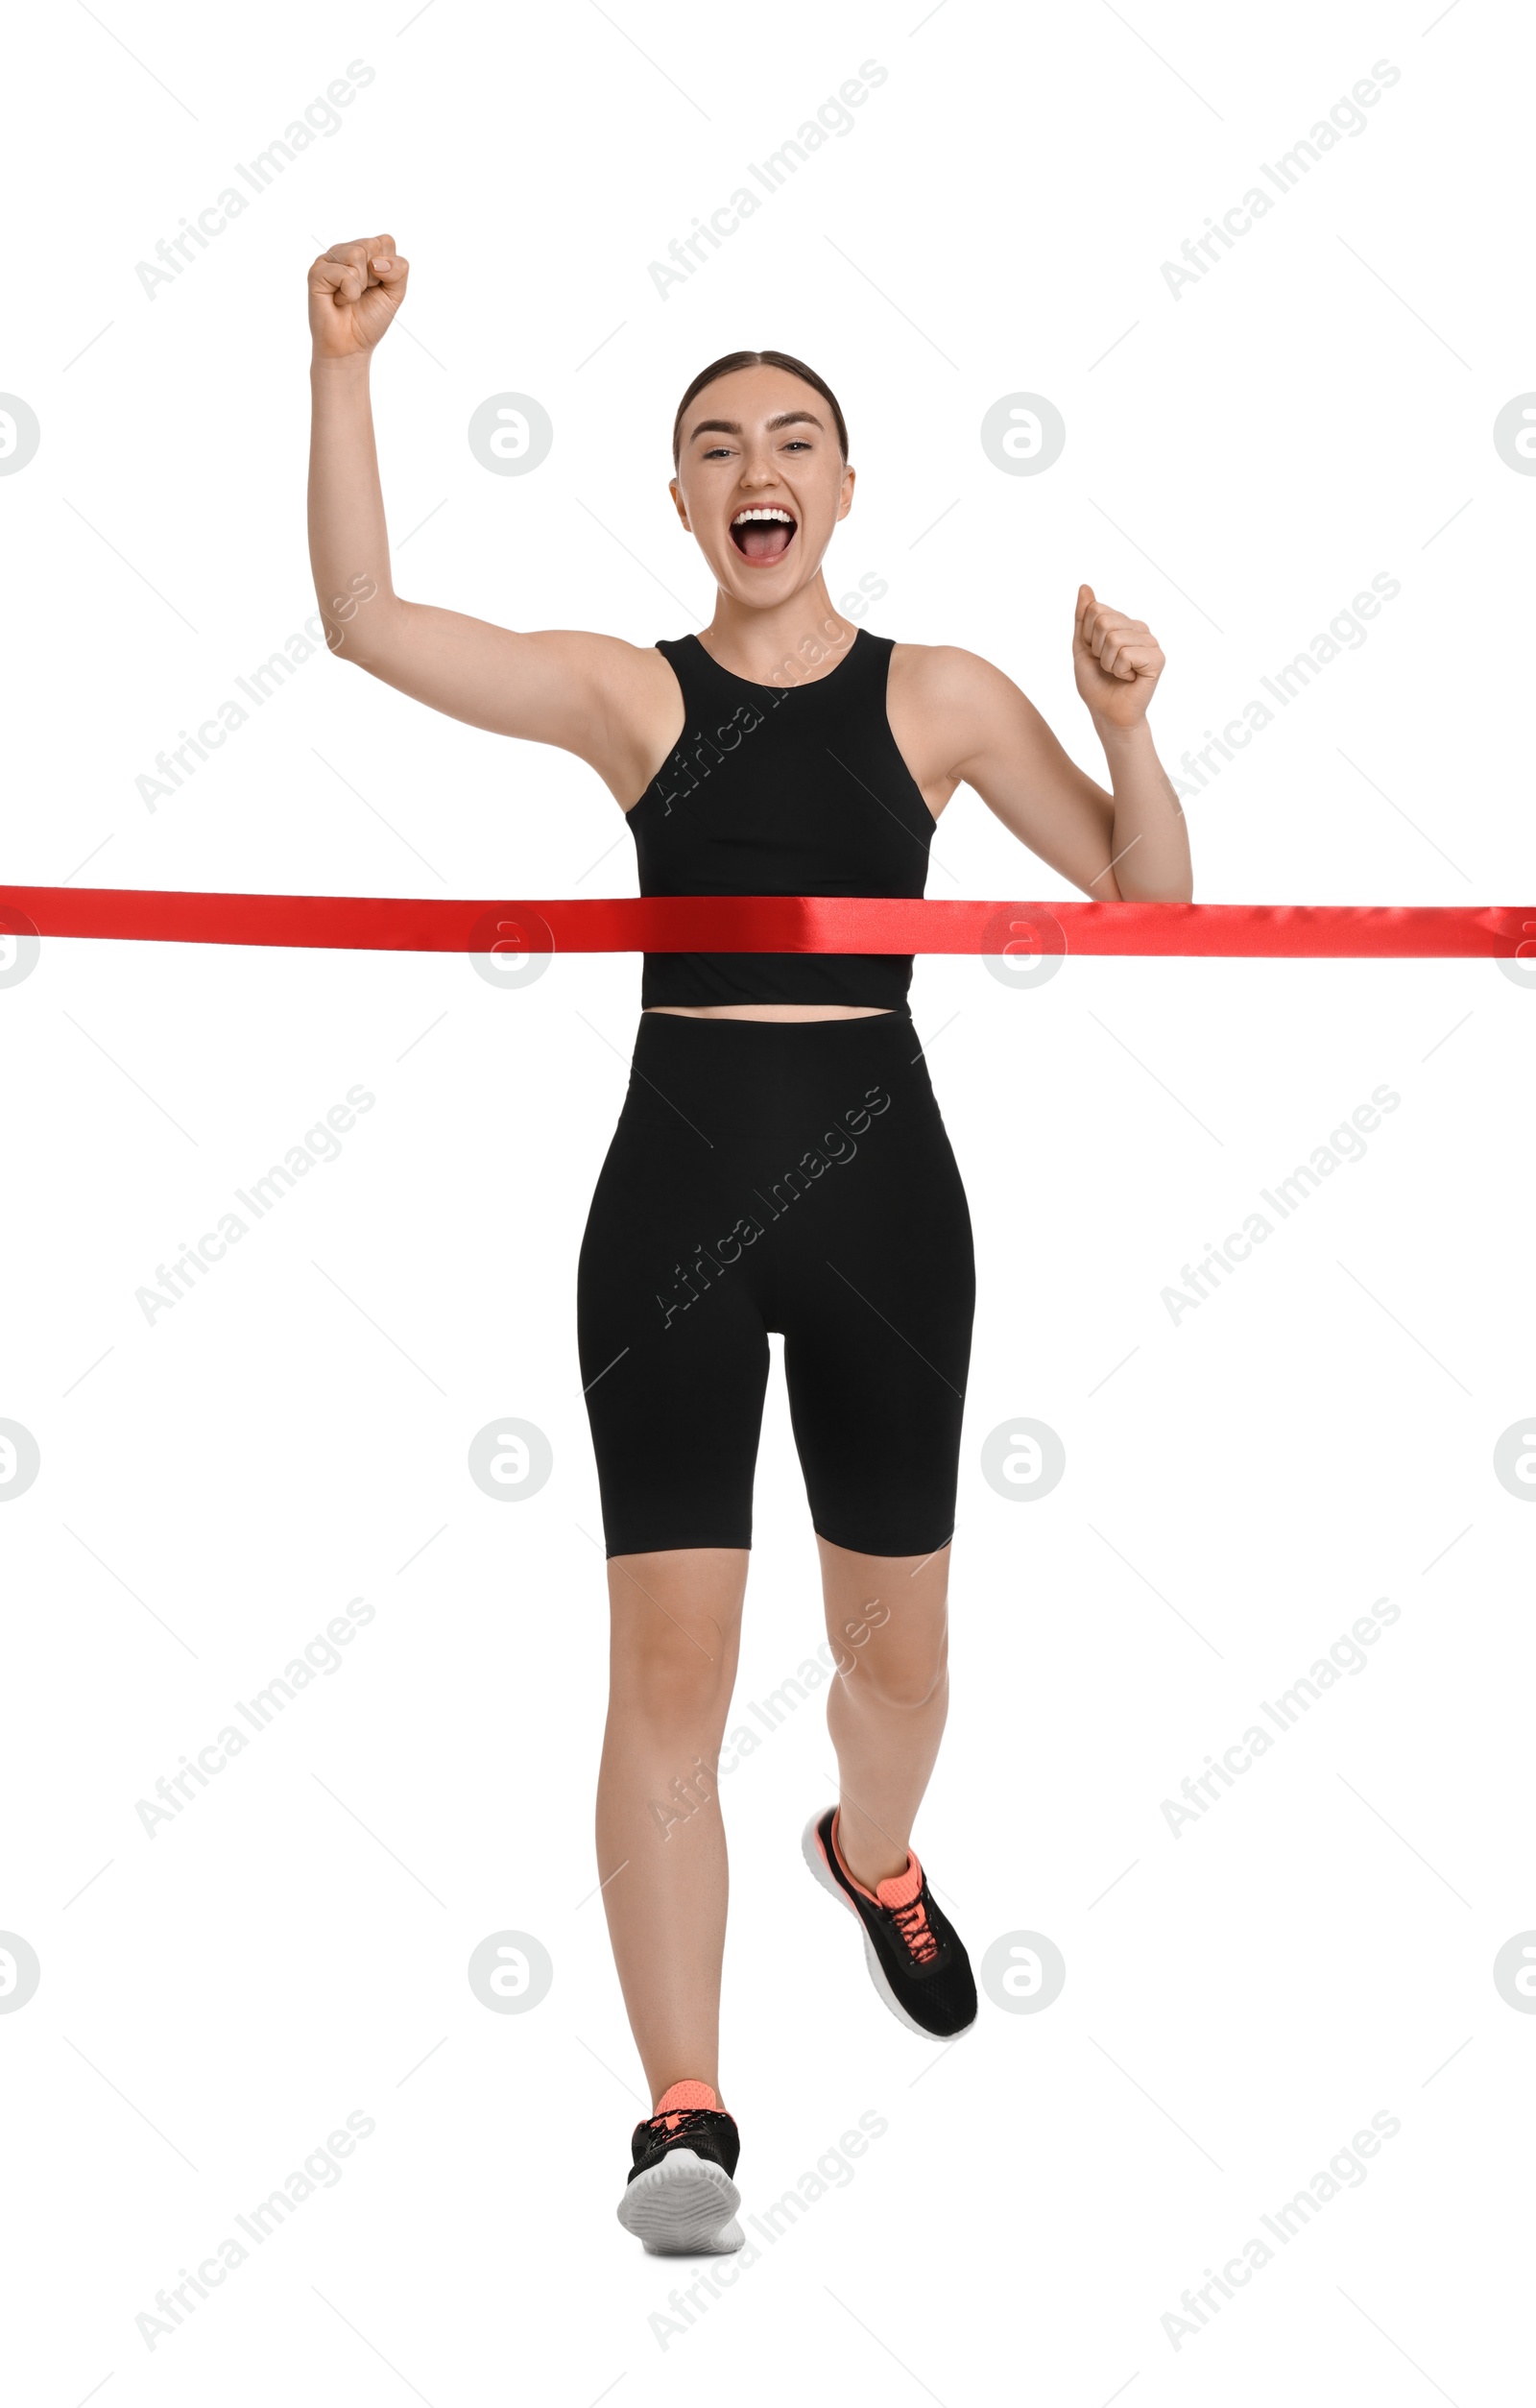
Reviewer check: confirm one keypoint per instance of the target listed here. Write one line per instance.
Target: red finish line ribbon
(774, 924)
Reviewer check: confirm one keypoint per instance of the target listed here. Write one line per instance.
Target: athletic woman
(780, 1163)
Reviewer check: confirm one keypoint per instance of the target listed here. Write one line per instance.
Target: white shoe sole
(683, 2207)
(811, 1849)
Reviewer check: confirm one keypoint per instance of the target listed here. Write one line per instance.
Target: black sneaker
(915, 1957)
(680, 2200)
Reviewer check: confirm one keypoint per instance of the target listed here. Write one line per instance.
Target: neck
(798, 640)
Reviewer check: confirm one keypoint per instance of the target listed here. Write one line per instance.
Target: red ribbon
(774, 924)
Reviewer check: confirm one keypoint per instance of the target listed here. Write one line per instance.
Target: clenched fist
(1118, 660)
(354, 290)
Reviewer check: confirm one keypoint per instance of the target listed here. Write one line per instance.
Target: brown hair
(734, 360)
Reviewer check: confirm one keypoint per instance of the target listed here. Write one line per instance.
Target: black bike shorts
(777, 1175)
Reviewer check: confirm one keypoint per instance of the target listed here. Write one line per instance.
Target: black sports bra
(782, 790)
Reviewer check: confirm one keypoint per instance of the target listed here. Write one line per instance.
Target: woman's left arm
(1130, 844)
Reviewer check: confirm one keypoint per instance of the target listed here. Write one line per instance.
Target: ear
(677, 498)
(844, 502)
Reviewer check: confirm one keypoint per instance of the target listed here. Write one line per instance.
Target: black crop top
(782, 790)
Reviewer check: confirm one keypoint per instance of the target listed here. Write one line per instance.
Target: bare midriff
(772, 1011)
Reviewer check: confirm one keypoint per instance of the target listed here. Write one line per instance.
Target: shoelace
(678, 2120)
(912, 1922)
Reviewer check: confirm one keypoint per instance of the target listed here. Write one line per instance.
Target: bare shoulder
(947, 705)
(637, 713)
(947, 679)
(616, 704)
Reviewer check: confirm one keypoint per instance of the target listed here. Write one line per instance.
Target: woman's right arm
(593, 695)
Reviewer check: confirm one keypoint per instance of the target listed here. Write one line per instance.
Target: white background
(1240, 1486)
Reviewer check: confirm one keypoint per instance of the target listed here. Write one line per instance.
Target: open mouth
(762, 534)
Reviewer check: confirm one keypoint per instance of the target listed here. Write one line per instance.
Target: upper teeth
(782, 516)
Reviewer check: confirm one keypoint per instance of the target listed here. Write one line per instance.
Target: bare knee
(905, 1682)
(670, 1688)
(674, 1633)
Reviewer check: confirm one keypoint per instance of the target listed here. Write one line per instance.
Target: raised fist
(354, 290)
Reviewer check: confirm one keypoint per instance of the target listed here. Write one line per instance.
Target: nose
(756, 469)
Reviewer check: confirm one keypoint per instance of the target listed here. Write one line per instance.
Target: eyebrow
(730, 426)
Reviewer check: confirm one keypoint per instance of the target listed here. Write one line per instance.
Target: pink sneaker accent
(901, 1888)
(898, 1894)
(898, 1890)
(683, 2096)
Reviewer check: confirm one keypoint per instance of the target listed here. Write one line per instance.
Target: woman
(780, 1163)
